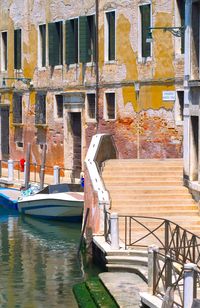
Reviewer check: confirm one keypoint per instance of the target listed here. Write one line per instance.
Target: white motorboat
(62, 201)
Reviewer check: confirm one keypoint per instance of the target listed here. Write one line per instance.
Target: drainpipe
(187, 71)
(97, 62)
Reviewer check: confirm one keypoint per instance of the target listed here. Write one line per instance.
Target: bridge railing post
(189, 284)
(152, 268)
(10, 170)
(114, 231)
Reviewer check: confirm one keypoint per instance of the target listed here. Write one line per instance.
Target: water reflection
(38, 263)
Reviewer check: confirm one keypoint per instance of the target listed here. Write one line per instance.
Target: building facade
(72, 69)
(192, 98)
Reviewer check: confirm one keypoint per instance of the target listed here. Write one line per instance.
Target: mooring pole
(27, 169)
(43, 166)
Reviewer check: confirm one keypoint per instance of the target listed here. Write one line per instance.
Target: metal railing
(35, 170)
(176, 247)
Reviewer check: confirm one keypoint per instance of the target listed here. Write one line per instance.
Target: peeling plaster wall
(145, 125)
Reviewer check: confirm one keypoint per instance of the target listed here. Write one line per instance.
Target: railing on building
(35, 169)
(176, 247)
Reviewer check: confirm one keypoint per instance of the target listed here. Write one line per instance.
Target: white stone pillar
(24, 173)
(152, 250)
(114, 231)
(189, 274)
(56, 174)
(10, 170)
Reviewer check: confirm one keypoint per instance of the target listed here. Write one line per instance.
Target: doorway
(194, 148)
(75, 124)
(4, 112)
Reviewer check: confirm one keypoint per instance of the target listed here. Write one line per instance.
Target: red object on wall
(21, 162)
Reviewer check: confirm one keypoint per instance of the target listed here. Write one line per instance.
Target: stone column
(189, 284)
(56, 174)
(10, 170)
(114, 231)
(152, 272)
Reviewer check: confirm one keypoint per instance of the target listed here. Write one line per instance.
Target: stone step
(178, 208)
(147, 190)
(137, 178)
(127, 260)
(140, 270)
(140, 196)
(154, 202)
(139, 172)
(165, 162)
(132, 252)
(143, 184)
(161, 213)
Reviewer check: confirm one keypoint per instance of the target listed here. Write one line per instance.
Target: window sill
(42, 68)
(18, 124)
(20, 70)
(143, 60)
(41, 125)
(109, 120)
(179, 56)
(73, 65)
(58, 67)
(111, 62)
(88, 120)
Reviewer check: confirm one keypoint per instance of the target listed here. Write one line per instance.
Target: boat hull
(61, 206)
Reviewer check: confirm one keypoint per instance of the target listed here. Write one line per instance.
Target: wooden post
(43, 166)
(27, 170)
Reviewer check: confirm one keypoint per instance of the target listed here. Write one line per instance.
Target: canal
(38, 262)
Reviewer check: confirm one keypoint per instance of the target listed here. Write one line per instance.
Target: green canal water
(38, 262)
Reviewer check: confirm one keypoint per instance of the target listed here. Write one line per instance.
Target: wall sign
(169, 95)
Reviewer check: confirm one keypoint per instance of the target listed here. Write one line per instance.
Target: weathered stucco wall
(145, 125)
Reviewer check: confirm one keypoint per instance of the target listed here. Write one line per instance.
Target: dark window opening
(17, 49)
(110, 16)
(17, 108)
(110, 105)
(87, 38)
(40, 109)
(71, 41)
(42, 32)
(59, 105)
(91, 105)
(145, 11)
(55, 43)
(180, 96)
(4, 59)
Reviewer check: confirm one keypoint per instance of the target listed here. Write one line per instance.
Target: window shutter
(71, 27)
(146, 23)
(84, 40)
(93, 37)
(17, 108)
(17, 49)
(43, 34)
(53, 44)
(40, 109)
(182, 12)
(111, 36)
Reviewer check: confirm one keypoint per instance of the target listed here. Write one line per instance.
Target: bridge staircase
(152, 189)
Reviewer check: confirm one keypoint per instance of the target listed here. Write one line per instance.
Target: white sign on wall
(169, 95)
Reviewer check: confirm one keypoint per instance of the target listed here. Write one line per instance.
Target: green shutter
(111, 35)
(145, 24)
(93, 37)
(17, 108)
(71, 47)
(84, 40)
(54, 43)
(43, 36)
(17, 49)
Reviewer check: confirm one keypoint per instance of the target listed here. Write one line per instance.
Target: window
(17, 49)
(42, 46)
(110, 36)
(181, 22)
(87, 38)
(4, 51)
(179, 106)
(55, 43)
(110, 112)
(91, 106)
(145, 23)
(59, 106)
(17, 108)
(40, 109)
(71, 48)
